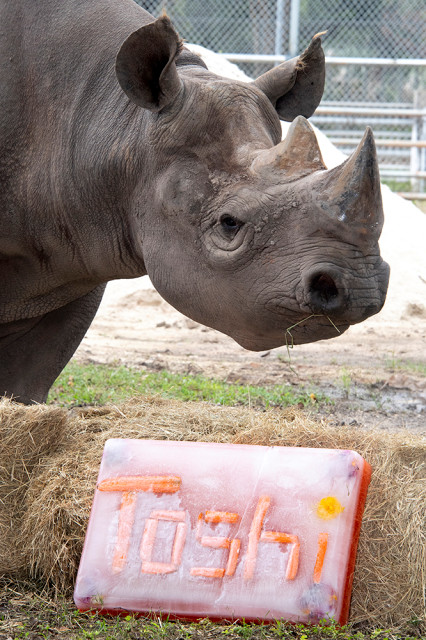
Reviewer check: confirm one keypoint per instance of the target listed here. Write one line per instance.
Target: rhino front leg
(33, 352)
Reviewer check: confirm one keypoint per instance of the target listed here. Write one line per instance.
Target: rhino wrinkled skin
(122, 155)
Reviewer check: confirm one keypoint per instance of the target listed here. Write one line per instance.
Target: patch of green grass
(346, 380)
(28, 616)
(100, 384)
(409, 366)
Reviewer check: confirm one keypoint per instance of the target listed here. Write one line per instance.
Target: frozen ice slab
(195, 529)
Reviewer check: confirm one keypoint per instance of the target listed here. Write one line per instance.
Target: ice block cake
(226, 531)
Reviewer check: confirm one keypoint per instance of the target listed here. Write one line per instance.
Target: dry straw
(49, 461)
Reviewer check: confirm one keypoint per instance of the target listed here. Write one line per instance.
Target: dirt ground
(374, 374)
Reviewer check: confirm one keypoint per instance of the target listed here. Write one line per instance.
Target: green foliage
(397, 185)
(409, 366)
(346, 380)
(100, 384)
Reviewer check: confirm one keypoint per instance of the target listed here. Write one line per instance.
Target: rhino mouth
(312, 328)
(324, 303)
(309, 328)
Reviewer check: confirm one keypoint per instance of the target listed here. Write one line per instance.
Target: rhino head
(239, 230)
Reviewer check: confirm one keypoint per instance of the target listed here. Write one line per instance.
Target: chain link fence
(375, 51)
(355, 28)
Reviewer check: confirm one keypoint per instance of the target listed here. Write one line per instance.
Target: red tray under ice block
(195, 529)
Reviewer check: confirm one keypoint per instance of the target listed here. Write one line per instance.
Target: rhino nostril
(323, 291)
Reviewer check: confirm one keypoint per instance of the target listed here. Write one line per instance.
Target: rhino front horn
(351, 192)
(297, 155)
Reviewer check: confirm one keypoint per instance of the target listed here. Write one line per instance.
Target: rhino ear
(145, 65)
(296, 86)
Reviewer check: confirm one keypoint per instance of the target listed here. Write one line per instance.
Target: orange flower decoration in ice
(328, 508)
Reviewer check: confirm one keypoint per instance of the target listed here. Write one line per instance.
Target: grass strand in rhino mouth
(290, 345)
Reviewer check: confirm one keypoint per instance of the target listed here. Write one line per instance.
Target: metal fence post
(294, 28)
(279, 28)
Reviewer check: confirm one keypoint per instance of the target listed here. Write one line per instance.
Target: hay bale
(389, 584)
(27, 434)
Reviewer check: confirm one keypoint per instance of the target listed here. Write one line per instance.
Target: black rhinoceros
(173, 172)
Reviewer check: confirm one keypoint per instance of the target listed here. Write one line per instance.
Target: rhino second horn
(351, 191)
(297, 155)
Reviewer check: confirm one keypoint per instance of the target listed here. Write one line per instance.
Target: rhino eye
(230, 224)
